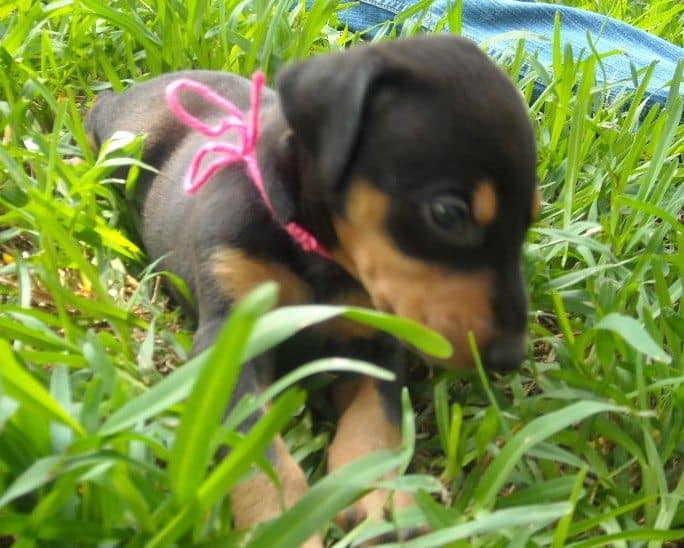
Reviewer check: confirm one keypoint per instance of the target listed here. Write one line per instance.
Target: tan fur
(363, 428)
(452, 303)
(237, 273)
(257, 499)
(536, 203)
(92, 142)
(485, 204)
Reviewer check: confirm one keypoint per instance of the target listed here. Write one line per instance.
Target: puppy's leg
(370, 415)
(257, 498)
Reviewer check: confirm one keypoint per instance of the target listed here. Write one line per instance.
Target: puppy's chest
(303, 278)
(328, 284)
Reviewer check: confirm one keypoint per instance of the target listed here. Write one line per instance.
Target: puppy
(412, 162)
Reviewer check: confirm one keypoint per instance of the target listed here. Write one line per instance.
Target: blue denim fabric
(485, 19)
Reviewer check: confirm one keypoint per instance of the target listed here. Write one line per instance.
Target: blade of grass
(231, 469)
(210, 395)
(273, 328)
(538, 430)
(28, 392)
(535, 516)
(631, 331)
(335, 492)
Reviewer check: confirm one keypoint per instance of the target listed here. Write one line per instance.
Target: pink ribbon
(228, 153)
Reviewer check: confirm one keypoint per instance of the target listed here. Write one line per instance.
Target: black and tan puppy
(412, 161)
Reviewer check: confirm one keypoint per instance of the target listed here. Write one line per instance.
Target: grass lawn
(103, 440)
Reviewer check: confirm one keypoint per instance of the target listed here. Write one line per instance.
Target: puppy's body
(412, 161)
(199, 237)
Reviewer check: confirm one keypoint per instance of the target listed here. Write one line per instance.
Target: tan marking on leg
(485, 204)
(92, 142)
(363, 428)
(449, 302)
(257, 499)
(237, 274)
(536, 203)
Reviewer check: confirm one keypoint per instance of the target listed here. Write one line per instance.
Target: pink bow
(245, 151)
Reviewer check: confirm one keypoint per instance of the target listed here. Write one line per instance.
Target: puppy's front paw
(257, 499)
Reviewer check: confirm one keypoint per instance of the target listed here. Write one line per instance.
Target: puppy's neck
(287, 174)
(277, 165)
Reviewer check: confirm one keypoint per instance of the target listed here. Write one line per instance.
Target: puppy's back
(143, 109)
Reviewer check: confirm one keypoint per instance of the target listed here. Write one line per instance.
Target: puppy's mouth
(499, 351)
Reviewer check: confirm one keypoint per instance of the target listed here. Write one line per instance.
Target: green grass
(664, 18)
(101, 442)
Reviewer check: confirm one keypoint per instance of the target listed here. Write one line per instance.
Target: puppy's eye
(447, 212)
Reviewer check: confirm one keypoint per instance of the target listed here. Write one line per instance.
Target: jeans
(485, 19)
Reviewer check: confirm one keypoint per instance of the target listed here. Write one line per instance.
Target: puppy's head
(417, 167)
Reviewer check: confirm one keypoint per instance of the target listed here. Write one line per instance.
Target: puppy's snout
(505, 352)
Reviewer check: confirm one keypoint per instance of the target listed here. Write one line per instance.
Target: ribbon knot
(227, 154)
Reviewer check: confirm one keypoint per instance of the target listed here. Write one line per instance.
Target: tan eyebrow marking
(485, 203)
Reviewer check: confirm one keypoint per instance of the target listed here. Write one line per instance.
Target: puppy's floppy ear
(323, 100)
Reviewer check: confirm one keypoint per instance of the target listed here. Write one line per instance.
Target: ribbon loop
(228, 153)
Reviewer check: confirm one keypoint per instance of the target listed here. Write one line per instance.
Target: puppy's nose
(505, 352)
